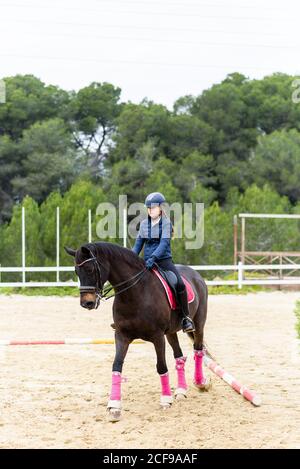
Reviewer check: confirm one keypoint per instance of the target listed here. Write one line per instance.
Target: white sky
(160, 49)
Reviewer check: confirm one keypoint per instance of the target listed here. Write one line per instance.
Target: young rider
(155, 234)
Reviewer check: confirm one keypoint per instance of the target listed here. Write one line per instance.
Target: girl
(155, 233)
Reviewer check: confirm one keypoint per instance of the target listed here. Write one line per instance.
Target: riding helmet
(155, 198)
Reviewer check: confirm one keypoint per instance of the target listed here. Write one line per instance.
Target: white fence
(240, 282)
(240, 268)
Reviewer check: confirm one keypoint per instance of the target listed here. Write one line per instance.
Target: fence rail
(240, 268)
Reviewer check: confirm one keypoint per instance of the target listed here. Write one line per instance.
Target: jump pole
(251, 396)
(69, 341)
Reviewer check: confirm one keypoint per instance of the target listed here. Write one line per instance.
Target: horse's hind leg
(180, 360)
(200, 381)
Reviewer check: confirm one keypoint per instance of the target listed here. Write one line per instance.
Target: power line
(193, 4)
(150, 3)
(170, 41)
(133, 62)
(122, 26)
(169, 14)
(143, 28)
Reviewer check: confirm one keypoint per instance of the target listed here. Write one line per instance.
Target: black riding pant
(167, 264)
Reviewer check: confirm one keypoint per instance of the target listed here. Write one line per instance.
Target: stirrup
(191, 327)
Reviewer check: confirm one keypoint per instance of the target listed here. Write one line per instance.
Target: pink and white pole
(251, 396)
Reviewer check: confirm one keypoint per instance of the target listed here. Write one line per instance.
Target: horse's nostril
(88, 304)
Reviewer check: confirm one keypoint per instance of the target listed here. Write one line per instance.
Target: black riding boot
(187, 323)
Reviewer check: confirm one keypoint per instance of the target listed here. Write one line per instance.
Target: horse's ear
(85, 251)
(70, 251)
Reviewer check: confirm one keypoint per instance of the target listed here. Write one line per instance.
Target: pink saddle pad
(169, 292)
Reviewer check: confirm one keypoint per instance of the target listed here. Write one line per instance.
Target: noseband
(98, 289)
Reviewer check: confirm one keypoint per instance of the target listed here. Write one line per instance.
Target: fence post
(23, 247)
(124, 227)
(240, 274)
(57, 243)
(243, 238)
(235, 239)
(90, 226)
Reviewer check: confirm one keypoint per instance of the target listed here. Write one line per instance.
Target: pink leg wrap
(165, 385)
(181, 382)
(115, 394)
(199, 377)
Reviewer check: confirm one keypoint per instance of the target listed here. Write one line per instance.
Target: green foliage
(268, 234)
(41, 230)
(48, 161)
(277, 159)
(135, 126)
(40, 291)
(29, 100)
(234, 148)
(232, 290)
(82, 196)
(93, 112)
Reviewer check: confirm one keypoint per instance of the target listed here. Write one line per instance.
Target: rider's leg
(187, 323)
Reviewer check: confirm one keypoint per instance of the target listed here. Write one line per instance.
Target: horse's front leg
(166, 398)
(114, 403)
(181, 390)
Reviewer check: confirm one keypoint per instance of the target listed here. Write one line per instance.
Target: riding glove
(150, 263)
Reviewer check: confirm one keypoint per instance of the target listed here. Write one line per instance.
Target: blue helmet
(155, 198)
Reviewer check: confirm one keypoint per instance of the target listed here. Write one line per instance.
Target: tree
(187, 134)
(93, 112)
(82, 196)
(136, 125)
(196, 169)
(11, 244)
(49, 161)
(29, 100)
(48, 226)
(276, 159)
(265, 234)
(9, 164)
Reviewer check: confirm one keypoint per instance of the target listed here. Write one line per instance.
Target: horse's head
(92, 276)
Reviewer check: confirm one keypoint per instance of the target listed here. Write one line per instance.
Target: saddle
(169, 281)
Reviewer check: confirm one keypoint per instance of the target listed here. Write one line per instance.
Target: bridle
(98, 289)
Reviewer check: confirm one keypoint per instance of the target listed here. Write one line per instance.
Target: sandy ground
(56, 396)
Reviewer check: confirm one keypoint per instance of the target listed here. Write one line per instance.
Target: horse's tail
(191, 336)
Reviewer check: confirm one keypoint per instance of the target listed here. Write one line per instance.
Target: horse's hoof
(166, 402)
(114, 410)
(114, 415)
(204, 386)
(165, 407)
(180, 394)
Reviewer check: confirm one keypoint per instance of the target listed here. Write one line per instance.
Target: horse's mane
(116, 251)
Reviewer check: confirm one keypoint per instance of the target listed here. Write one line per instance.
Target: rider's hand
(150, 263)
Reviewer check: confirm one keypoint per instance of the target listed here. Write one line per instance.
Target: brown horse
(141, 311)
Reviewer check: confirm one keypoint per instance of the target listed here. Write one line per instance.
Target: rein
(99, 290)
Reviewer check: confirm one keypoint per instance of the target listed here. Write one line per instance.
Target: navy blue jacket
(156, 239)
